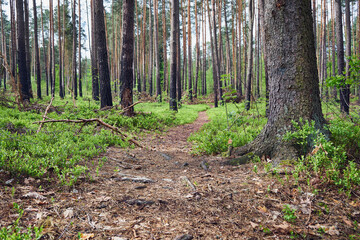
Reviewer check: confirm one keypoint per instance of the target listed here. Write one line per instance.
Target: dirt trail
(162, 192)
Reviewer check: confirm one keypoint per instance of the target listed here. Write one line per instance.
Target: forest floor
(161, 191)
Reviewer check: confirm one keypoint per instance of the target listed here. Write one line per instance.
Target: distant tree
(37, 57)
(27, 45)
(24, 84)
(102, 55)
(127, 58)
(293, 78)
(174, 35)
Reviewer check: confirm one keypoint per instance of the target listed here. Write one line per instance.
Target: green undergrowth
(230, 125)
(63, 150)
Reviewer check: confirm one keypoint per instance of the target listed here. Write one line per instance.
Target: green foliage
(15, 232)
(61, 150)
(329, 158)
(236, 128)
(340, 81)
(289, 213)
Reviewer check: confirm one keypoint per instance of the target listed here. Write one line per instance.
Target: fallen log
(115, 129)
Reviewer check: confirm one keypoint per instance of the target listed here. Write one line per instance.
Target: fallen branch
(127, 108)
(123, 135)
(46, 112)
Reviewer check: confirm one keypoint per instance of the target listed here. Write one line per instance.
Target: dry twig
(46, 112)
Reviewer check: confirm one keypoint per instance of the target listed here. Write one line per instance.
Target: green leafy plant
(289, 214)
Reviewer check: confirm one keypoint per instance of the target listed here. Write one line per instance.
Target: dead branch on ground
(99, 121)
(46, 112)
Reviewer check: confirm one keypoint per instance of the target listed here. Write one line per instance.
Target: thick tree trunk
(174, 35)
(37, 57)
(127, 58)
(100, 38)
(94, 56)
(21, 57)
(294, 82)
(344, 93)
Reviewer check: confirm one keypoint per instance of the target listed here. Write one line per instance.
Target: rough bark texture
(3, 43)
(293, 77)
(21, 56)
(127, 58)
(61, 80)
(94, 59)
(100, 38)
(37, 57)
(174, 49)
(189, 54)
(345, 103)
(249, 70)
(340, 54)
(13, 39)
(27, 45)
(79, 46)
(74, 67)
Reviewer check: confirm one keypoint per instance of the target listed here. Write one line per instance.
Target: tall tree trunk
(358, 30)
(333, 46)
(74, 51)
(44, 52)
(127, 58)
(151, 65)
(61, 80)
(166, 78)
(183, 81)
(228, 55)
(294, 82)
(197, 47)
(156, 51)
(262, 23)
(189, 53)
(27, 45)
(3, 43)
(100, 38)
(94, 57)
(50, 66)
(204, 92)
(340, 54)
(174, 35)
(37, 57)
(239, 67)
(216, 56)
(346, 89)
(79, 43)
(21, 58)
(143, 32)
(249, 70)
(13, 41)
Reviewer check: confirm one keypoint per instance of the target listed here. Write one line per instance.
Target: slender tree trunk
(143, 32)
(174, 35)
(228, 54)
(24, 83)
(216, 55)
(358, 29)
(13, 41)
(249, 57)
(197, 47)
(151, 65)
(239, 67)
(346, 90)
(94, 57)
(3, 43)
(27, 45)
(44, 52)
(184, 72)
(204, 92)
(100, 38)
(79, 43)
(340, 55)
(189, 54)
(37, 57)
(156, 51)
(74, 51)
(166, 78)
(333, 46)
(127, 58)
(178, 65)
(61, 83)
(214, 62)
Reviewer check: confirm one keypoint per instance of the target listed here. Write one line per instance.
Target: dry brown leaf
(254, 225)
(85, 236)
(349, 223)
(69, 213)
(262, 209)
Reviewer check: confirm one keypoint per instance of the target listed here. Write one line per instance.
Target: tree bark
(127, 58)
(156, 51)
(166, 77)
(21, 57)
(100, 38)
(346, 90)
(249, 70)
(174, 35)
(151, 65)
(13, 41)
(27, 45)
(74, 51)
(94, 56)
(293, 78)
(3, 43)
(79, 47)
(344, 103)
(44, 52)
(37, 57)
